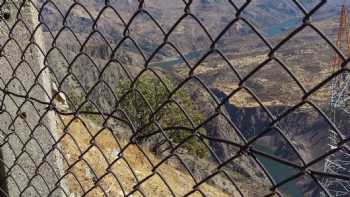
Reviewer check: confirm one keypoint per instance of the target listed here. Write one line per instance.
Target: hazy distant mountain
(271, 17)
(262, 13)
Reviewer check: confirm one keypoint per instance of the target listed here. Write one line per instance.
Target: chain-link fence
(174, 98)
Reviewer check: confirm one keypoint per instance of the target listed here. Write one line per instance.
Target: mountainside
(304, 55)
(272, 18)
(212, 13)
(127, 168)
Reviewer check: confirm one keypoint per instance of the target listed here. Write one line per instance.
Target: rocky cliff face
(306, 129)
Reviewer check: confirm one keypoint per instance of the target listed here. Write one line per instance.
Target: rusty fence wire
(91, 107)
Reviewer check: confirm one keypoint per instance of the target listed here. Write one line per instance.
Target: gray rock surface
(27, 128)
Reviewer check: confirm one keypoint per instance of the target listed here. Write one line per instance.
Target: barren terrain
(118, 174)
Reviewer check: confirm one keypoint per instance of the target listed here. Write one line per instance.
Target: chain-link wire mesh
(169, 98)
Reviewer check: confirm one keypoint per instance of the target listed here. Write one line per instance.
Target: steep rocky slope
(128, 167)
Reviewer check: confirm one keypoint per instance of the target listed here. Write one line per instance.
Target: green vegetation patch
(153, 110)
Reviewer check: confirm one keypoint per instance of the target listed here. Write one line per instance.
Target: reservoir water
(280, 172)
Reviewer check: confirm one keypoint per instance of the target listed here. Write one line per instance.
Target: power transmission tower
(339, 163)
